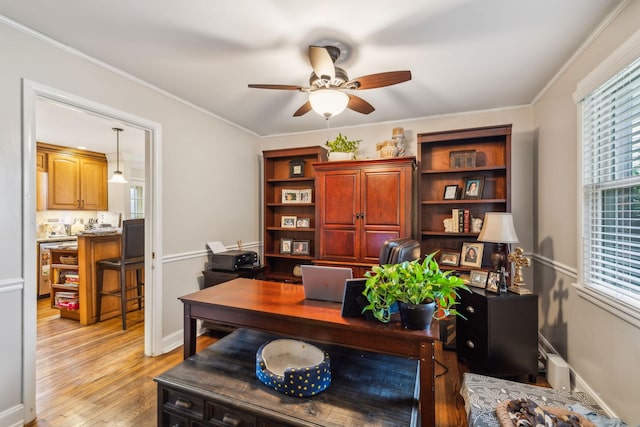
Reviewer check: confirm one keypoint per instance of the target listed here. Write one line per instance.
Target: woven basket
(69, 260)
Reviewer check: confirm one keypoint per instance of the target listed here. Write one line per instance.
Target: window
(136, 197)
(611, 187)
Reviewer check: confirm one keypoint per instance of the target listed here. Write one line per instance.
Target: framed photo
(303, 223)
(296, 168)
(300, 247)
(288, 221)
(472, 254)
(285, 246)
(478, 278)
(304, 196)
(290, 196)
(450, 192)
(473, 188)
(462, 159)
(450, 258)
(493, 282)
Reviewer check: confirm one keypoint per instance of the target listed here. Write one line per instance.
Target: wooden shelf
(465, 170)
(285, 180)
(462, 202)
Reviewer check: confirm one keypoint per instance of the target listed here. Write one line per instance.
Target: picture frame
(300, 247)
(296, 168)
(285, 246)
(478, 278)
(493, 282)
(303, 223)
(473, 188)
(450, 192)
(288, 221)
(304, 196)
(290, 195)
(450, 258)
(471, 255)
(462, 159)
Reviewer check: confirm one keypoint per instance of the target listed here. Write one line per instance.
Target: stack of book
(71, 279)
(67, 300)
(461, 220)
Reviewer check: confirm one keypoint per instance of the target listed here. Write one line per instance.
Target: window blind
(611, 186)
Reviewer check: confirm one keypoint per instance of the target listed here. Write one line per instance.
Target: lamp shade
(498, 228)
(328, 102)
(117, 178)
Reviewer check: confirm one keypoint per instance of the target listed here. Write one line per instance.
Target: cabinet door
(93, 185)
(384, 213)
(340, 192)
(64, 182)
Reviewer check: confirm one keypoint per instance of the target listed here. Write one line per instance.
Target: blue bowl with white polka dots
(293, 367)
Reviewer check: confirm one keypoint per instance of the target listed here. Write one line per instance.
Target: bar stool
(131, 258)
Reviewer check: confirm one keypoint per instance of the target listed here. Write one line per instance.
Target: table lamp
(498, 228)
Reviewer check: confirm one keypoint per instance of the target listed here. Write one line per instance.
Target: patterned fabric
(481, 394)
(527, 413)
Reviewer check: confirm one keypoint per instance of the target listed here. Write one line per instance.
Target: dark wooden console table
(282, 309)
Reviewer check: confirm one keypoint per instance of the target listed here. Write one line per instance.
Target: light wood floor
(98, 375)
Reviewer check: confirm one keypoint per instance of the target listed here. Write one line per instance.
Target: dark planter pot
(416, 316)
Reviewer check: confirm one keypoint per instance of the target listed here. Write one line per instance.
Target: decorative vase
(337, 155)
(416, 316)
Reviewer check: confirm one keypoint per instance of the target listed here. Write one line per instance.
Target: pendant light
(117, 177)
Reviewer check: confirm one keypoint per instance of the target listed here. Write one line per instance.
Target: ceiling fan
(329, 86)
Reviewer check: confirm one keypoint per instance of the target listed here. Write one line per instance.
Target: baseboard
(578, 383)
(176, 339)
(12, 417)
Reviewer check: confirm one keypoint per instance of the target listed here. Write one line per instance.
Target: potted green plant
(422, 291)
(342, 148)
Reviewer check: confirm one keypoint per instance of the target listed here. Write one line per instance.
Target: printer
(232, 260)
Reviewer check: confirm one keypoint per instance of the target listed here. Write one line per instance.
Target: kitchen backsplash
(48, 220)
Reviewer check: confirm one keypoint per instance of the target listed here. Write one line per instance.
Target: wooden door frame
(31, 91)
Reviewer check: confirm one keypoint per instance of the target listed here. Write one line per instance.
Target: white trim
(153, 238)
(10, 285)
(555, 265)
(12, 417)
(616, 61)
(600, 298)
(204, 252)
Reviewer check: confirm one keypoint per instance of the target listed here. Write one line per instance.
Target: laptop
(324, 283)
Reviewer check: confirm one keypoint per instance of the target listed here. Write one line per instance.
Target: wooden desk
(281, 308)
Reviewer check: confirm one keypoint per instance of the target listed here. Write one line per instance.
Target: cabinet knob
(470, 309)
(230, 420)
(470, 344)
(183, 403)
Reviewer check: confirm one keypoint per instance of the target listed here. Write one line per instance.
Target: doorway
(32, 92)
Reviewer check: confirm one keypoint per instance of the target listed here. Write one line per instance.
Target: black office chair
(131, 258)
(395, 251)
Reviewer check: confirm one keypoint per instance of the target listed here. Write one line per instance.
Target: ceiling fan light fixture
(328, 102)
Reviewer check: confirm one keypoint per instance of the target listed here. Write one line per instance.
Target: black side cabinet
(499, 336)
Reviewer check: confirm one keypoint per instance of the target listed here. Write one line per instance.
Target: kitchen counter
(60, 238)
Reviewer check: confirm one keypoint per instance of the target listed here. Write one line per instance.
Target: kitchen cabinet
(360, 205)
(485, 155)
(74, 179)
(499, 333)
(288, 171)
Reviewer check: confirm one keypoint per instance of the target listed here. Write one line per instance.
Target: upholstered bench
(482, 394)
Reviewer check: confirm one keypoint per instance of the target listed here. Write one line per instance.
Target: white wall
(205, 162)
(601, 348)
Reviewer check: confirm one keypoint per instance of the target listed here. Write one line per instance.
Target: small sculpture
(519, 261)
(476, 225)
(448, 225)
(398, 138)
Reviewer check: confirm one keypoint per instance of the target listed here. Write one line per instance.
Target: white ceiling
(464, 55)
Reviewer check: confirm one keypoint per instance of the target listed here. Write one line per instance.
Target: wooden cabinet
(452, 158)
(500, 333)
(74, 179)
(290, 172)
(218, 387)
(360, 205)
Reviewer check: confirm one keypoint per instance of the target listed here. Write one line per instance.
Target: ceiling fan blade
(280, 87)
(321, 62)
(359, 105)
(306, 107)
(373, 81)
